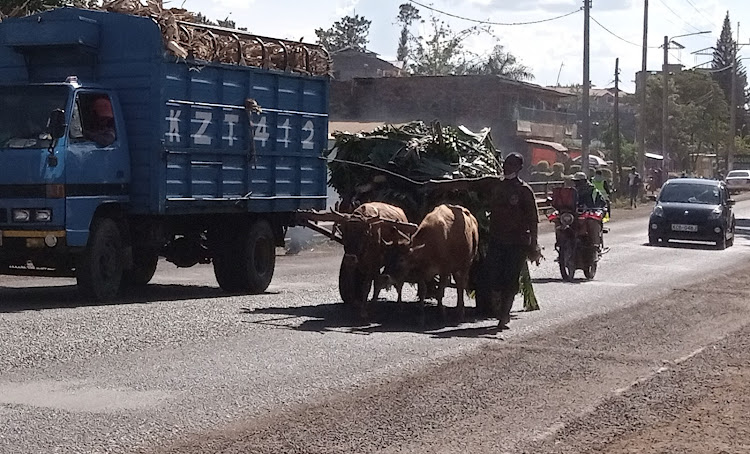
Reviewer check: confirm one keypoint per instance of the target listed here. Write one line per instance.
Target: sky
(553, 50)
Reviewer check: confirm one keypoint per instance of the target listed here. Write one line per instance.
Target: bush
(542, 166)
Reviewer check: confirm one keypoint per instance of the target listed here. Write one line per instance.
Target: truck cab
(48, 184)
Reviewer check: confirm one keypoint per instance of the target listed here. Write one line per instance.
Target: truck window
(93, 120)
(24, 112)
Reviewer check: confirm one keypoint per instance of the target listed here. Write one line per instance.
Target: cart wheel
(351, 283)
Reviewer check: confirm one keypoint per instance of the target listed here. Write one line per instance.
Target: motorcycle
(574, 246)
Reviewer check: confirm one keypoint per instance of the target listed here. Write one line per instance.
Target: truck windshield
(24, 112)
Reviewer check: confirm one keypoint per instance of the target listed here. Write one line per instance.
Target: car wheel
(722, 243)
(653, 240)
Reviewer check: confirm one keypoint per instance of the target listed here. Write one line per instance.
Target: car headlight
(44, 215)
(658, 211)
(567, 219)
(715, 214)
(21, 215)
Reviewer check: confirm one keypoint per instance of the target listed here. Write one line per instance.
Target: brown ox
(365, 238)
(445, 244)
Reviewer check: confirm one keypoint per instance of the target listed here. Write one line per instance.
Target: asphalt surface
(181, 367)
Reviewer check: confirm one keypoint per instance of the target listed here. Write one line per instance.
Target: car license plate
(684, 228)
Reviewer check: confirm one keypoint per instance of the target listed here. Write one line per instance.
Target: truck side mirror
(57, 123)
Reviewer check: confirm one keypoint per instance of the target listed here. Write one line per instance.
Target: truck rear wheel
(99, 269)
(245, 262)
(144, 268)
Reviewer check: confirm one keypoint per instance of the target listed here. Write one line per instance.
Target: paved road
(180, 359)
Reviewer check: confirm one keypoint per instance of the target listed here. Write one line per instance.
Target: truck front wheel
(99, 269)
(246, 262)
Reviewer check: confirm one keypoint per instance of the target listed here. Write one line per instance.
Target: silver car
(738, 180)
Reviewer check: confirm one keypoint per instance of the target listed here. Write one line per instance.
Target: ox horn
(404, 227)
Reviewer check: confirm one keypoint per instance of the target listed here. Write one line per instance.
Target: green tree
(407, 15)
(724, 57)
(698, 116)
(501, 63)
(442, 52)
(348, 32)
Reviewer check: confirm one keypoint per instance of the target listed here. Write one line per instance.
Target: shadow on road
(62, 297)
(384, 316)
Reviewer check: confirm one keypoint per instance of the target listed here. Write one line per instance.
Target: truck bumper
(44, 248)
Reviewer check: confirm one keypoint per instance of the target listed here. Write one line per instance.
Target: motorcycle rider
(602, 185)
(589, 198)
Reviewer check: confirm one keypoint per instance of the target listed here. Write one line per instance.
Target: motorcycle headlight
(658, 211)
(567, 219)
(44, 215)
(715, 214)
(21, 215)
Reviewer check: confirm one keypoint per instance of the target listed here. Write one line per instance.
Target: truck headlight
(44, 215)
(21, 215)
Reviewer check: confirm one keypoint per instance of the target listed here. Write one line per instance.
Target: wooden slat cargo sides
(215, 157)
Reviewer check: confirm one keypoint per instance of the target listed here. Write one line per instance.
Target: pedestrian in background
(634, 187)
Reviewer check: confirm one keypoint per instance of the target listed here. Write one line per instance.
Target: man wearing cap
(101, 127)
(589, 197)
(513, 231)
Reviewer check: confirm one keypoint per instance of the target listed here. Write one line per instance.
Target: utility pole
(618, 156)
(733, 105)
(665, 108)
(586, 133)
(665, 96)
(643, 82)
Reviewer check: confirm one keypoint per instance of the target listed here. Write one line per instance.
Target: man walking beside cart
(513, 232)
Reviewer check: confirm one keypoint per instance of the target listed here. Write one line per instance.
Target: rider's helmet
(579, 176)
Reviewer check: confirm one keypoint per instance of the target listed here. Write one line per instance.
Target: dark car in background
(693, 209)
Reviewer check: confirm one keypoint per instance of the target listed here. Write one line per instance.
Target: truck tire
(99, 269)
(246, 262)
(144, 268)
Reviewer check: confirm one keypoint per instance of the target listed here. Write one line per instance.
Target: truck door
(97, 162)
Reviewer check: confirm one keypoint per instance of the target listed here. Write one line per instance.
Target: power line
(485, 22)
(710, 22)
(678, 16)
(618, 36)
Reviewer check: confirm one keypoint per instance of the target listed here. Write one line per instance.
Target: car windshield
(24, 112)
(690, 193)
(738, 173)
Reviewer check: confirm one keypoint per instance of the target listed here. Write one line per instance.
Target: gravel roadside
(662, 376)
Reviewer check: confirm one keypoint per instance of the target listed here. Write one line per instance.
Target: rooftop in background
(351, 63)
(594, 92)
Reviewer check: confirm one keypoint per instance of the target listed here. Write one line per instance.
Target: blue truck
(114, 152)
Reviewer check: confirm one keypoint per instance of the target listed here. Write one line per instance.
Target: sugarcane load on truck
(395, 165)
